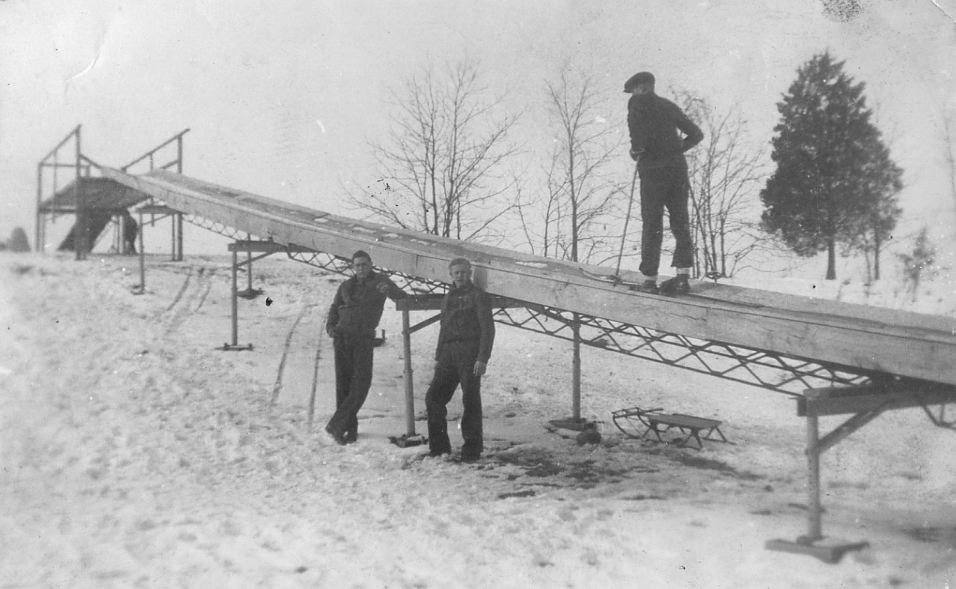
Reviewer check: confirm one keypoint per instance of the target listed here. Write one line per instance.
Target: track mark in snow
(206, 289)
(285, 352)
(182, 289)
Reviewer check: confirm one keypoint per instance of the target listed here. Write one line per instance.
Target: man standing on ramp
(464, 346)
(353, 317)
(653, 123)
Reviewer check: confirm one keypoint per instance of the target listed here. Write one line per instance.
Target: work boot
(470, 456)
(335, 437)
(648, 286)
(677, 285)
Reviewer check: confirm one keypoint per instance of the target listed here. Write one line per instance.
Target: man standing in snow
(351, 322)
(464, 346)
(130, 232)
(653, 123)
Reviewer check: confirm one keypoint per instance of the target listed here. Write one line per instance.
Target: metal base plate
(571, 423)
(827, 550)
(232, 348)
(407, 441)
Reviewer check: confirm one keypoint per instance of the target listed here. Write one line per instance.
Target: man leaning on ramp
(351, 322)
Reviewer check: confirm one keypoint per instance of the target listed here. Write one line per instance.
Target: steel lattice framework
(754, 367)
(768, 370)
(214, 226)
(342, 265)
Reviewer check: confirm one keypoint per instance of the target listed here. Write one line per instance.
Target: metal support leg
(179, 237)
(576, 371)
(410, 438)
(141, 289)
(814, 544)
(234, 296)
(409, 385)
(814, 519)
(234, 299)
(249, 272)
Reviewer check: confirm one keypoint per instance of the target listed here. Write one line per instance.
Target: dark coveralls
(653, 123)
(466, 336)
(130, 232)
(353, 317)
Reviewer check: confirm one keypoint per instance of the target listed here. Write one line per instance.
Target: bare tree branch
(439, 165)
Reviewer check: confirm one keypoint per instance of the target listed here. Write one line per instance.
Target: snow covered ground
(133, 453)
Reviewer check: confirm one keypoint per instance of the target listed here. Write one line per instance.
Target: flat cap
(636, 79)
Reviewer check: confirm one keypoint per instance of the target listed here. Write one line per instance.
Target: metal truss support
(754, 367)
(407, 330)
(154, 211)
(234, 300)
(864, 403)
(141, 289)
(267, 248)
(758, 368)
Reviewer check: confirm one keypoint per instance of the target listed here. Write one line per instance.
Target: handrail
(88, 160)
(61, 143)
(155, 149)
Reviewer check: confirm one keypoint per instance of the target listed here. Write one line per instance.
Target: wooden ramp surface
(856, 336)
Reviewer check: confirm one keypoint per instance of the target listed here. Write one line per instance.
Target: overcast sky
(281, 97)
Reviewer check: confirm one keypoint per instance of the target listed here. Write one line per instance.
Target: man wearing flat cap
(658, 149)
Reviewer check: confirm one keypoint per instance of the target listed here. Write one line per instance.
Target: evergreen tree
(834, 175)
(881, 210)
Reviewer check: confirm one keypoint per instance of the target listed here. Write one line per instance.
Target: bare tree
(440, 167)
(726, 176)
(575, 218)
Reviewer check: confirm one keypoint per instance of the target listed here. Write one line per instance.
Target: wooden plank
(847, 400)
(265, 246)
(155, 210)
(687, 421)
(420, 303)
(433, 303)
(864, 338)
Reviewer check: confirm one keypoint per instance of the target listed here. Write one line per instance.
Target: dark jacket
(653, 123)
(358, 305)
(466, 315)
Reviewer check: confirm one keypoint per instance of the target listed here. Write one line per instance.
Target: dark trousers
(665, 188)
(456, 365)
(353, 378)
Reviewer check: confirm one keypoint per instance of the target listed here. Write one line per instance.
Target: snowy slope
(135, 454)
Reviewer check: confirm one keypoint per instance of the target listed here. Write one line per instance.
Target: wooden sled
(638, 423)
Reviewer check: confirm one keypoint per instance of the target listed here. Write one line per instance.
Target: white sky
(280, 97)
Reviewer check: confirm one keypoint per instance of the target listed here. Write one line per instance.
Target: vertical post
(814, 528)
(235, 298)
(142, 256)
(179, 216)
(79, 241)
(409, 385)
(172, 237)
(576, 370)
(179, 237)
(249, 266)
(179, 153)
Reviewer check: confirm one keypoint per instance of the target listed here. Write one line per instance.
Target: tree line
(449, 166)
